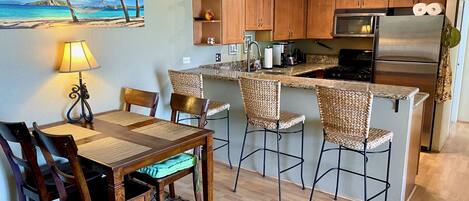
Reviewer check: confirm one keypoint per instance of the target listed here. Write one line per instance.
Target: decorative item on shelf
(211, 40)
(209, 15)
(78, 58)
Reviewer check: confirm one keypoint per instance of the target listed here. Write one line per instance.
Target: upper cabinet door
(281, 20)
(266, 14)
(401, 3)
(375, 3)
(233, 20)
(320, 19)
(252, 14)
(433, 1)
(347, 4)
(298, 19)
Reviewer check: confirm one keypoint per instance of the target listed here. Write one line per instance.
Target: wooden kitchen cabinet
(227, 27)
(320, 22)
(259, 15)
(347, 4)
(375, 3)
(289, 20)
(233, 14)
(356, 4)
(401, 3)
(433, 1)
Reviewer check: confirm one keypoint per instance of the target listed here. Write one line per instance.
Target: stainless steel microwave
(356, 24)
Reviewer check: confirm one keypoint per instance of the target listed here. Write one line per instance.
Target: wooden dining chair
(141, 98)
(33, 187)
(184, 104)
(62, 146)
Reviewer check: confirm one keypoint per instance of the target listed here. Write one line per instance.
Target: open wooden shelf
(203, 29)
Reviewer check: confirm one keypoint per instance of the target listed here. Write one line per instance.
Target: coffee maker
(284, 54)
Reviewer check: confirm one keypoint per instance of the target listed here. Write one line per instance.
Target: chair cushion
(169, 166)
(215, 107)
(287, 120)
(376, 137)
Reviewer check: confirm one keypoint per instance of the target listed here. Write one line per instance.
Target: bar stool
(345, 116)
(191, 84)
(261, 99)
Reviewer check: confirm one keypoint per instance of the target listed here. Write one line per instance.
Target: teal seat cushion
(170, 166)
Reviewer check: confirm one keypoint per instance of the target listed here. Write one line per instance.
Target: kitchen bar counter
(298, 96)
(287, 76)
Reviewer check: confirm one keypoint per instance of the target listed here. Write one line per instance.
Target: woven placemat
(109, 150)
(123, 118)
(167, 130)
(77, 132)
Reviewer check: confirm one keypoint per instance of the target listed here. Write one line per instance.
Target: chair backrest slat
(261, 98)
(345, 112)
(19, 133)
(189, 105)
(141, 98)
(186, 83)
(62, 146)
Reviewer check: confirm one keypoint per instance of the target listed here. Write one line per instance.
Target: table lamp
(78, 58)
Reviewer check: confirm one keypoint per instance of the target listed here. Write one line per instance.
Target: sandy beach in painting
(103, 23)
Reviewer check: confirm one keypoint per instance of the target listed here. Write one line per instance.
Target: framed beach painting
(35, 14)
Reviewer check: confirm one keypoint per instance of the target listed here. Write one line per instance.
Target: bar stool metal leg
(338, 173)
(317, 170)
(364, 170)
(387, 171)
(278, 163)
(302, 153)
(241, 156)
(265, 142)
(228, 136)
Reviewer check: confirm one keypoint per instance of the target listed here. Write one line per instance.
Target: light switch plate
(233, 49)
(186, 60)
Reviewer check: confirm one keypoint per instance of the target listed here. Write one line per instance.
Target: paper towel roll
(268, 57)
(435, 8)
(420, 9)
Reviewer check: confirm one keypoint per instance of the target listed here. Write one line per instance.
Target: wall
(463, 104)
(136, 57)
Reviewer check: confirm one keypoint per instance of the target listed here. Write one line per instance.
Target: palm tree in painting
(126, 12)
(72, 11)
(137, 7)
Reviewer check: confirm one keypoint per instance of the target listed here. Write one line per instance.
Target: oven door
(355, 24)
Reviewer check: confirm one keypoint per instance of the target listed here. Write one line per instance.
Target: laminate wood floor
(444, 176)
(251, 187)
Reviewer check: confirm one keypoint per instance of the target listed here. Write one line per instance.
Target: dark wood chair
(141, 98)
(33, 187)
(180, 104)
(64, 146)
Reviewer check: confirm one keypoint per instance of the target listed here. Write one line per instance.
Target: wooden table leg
(115, 186)
(207, 168)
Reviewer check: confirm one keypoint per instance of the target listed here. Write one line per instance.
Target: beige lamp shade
(77, 57)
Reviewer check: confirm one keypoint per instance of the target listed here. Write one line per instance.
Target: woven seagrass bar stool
(261, 99)
(191, 84)
(345, 117)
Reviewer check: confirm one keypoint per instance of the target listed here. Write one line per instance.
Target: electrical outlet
(186, 60)
(218, 57)
(233, 49)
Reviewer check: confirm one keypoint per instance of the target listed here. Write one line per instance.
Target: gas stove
(353, 65)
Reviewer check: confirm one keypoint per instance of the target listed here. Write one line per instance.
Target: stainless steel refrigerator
(407, 53)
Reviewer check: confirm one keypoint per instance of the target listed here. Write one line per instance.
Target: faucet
(249, 55)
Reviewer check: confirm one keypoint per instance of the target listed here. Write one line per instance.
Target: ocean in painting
(91, 13)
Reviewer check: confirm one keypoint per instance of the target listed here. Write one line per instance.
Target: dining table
(118, 143)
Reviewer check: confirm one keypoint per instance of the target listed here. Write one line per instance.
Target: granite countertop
(420, 98)
(288, 79)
